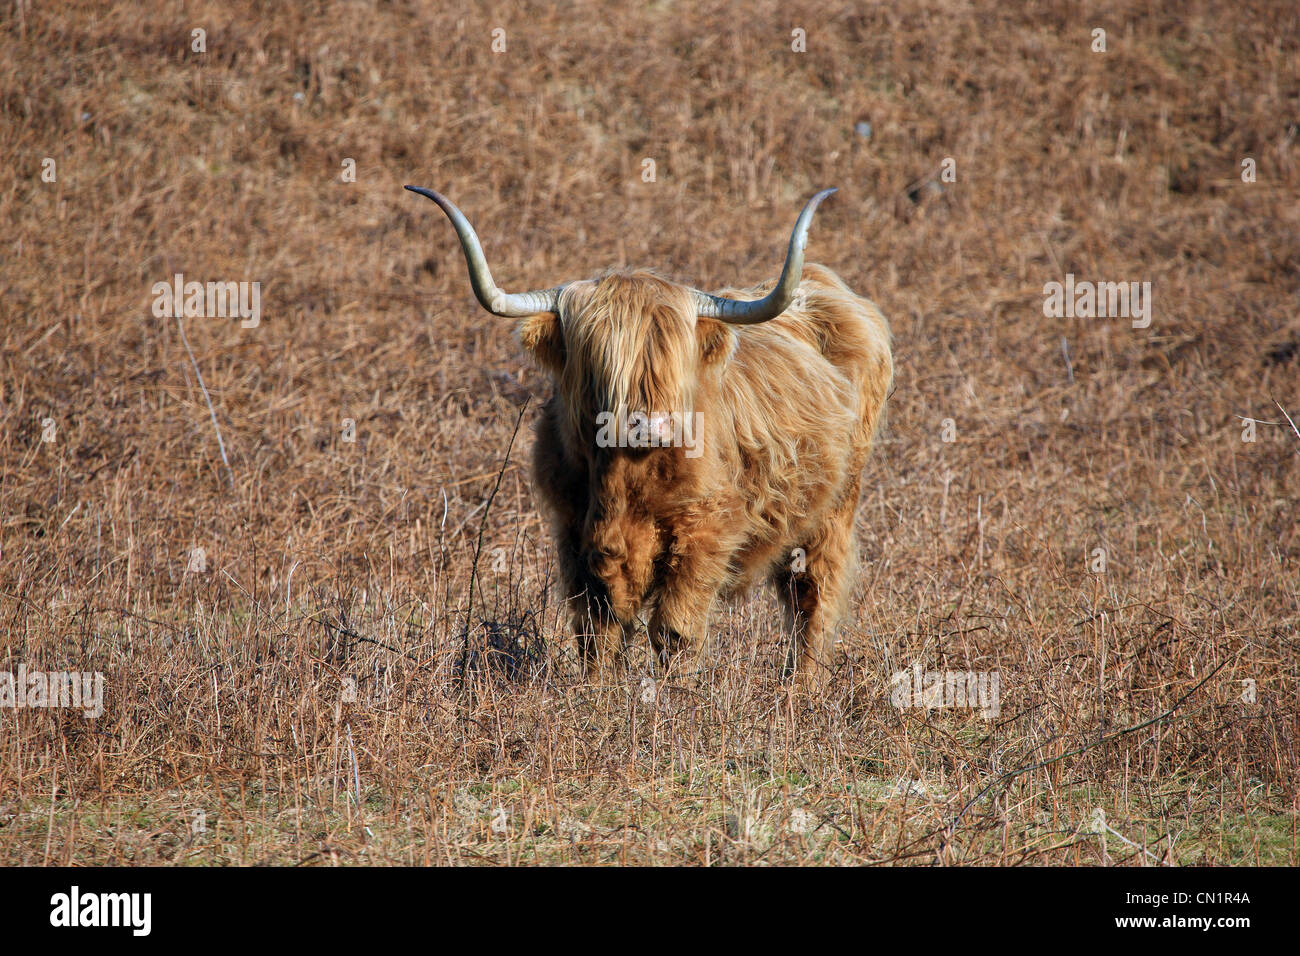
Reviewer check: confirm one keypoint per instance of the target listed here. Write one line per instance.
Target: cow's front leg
(666, 641)
(686, 595)
(602, 641)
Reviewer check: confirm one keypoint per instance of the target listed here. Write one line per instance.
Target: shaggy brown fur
(787, 411)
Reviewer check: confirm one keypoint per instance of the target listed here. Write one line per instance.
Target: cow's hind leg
(814, 587)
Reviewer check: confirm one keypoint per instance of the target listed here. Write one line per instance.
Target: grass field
(271, 567)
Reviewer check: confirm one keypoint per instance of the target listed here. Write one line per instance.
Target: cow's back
(846, 329)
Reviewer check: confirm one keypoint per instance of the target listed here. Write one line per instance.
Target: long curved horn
(738, 312)
(508, 304)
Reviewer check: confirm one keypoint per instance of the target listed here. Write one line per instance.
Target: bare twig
(1288, 418)
(1028, 768)
(208, 398)
(478, 548)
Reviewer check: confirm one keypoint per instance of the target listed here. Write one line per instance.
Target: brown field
(297, 668)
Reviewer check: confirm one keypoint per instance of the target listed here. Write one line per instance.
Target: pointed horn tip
(426, 193)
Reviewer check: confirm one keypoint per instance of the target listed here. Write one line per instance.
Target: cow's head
(627, 342)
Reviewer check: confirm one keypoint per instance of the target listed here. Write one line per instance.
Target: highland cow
(742, 421)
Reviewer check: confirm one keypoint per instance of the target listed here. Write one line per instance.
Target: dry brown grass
(331, 562)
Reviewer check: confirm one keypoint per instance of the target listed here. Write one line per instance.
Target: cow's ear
(543, 339)
(717, 341)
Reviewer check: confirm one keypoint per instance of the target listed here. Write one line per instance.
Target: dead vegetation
(314, 686)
